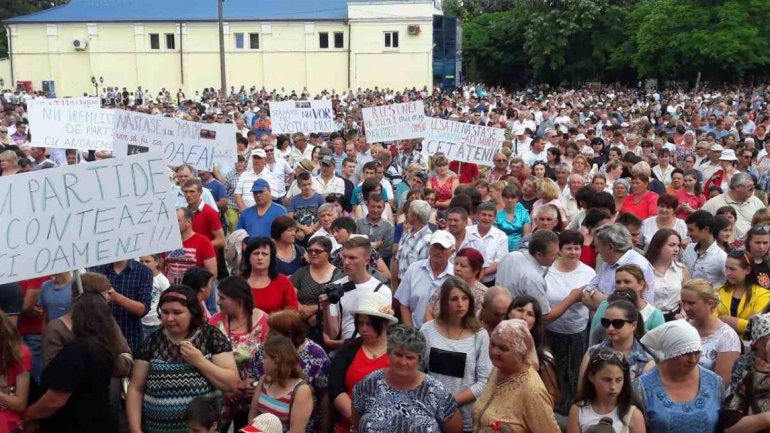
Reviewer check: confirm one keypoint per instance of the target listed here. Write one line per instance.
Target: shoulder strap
(377, 289)
(294, 394)
(627, 420)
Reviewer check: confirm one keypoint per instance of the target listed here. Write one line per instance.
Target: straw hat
(378, 305)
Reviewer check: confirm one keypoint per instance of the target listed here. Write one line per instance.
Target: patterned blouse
(171, 382)
(387, 410)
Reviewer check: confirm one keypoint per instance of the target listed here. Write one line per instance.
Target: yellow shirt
(523, 403)
(760, 297)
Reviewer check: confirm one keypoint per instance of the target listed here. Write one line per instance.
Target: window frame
(173, 40)
(391, 39)
(157, 41)
(321, 37)
(251, 46)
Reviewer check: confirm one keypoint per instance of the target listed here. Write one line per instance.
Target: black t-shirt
(11, 299)
(87, 378)
(762, 273)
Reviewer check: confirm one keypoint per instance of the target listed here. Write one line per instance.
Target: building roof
(77, 11)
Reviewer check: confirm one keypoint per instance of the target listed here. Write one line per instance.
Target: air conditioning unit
(413, 29)
(80, 44)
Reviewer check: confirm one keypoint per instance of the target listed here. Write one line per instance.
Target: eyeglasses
(268, 150)
(501, 160)
(615, 323)
(606, 354)
(315, 251)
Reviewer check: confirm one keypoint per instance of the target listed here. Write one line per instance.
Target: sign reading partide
(289, 117)
(462, 141)
(181, 141)
(394, 122)
(85, 215)
(70, 126)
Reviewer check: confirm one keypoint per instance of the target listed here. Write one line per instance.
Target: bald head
(496, 302)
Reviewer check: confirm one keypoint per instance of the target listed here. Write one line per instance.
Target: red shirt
(206, 221)
(645, 208)
(193, 253)
(278, 295)
(467, 171)
(357, 370)
(11, 419)
(696, 201)
(31, 324)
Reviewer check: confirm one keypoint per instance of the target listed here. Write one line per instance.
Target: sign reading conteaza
(394, 122)
(289, 117)
(462, 141)
(85, 215)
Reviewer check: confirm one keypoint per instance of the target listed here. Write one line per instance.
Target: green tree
(15, 8)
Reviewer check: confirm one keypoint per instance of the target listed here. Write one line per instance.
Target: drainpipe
(181, 54)
(10, 55)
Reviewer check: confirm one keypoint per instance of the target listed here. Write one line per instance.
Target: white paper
(394, 122)
(288, 117)
(463, 142)
(70, 126)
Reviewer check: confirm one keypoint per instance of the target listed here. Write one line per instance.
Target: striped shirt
(278, 406)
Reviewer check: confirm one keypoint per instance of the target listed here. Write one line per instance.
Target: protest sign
(289, 117)
(463, 142)
(85, 215)
(84, 101)
(70, 126)
(394, 122)
(180, 141)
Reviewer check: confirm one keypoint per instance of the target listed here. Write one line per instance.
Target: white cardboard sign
(289, 117)
(463, 142)
(70, 126)
(85, 215)
(83, 101)
(394, 122)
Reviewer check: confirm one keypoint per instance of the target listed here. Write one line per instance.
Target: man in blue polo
(256, 220)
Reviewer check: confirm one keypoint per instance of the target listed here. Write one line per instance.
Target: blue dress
(513, 228)
(699, 415)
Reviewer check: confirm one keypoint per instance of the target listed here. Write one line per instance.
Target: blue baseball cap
(260, 185)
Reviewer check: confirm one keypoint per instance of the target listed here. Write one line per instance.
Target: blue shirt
(514, 229)
(56, 301)
(306, 209)
(259, 225)
(135, 283)
(218, 190)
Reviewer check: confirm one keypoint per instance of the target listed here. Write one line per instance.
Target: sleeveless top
(278, 406)
(699, 415)
(588, 417)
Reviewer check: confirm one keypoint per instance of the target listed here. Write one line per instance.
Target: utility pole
(222, 76)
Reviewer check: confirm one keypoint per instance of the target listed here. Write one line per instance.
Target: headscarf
(672, 339)
(516, 334)
(759, 327)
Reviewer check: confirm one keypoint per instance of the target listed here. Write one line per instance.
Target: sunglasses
(761, 229)
(268, 150)
(606, 354)
(615, 323)
(315, 251)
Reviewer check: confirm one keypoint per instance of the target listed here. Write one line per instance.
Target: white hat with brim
(728, 155)
(378, 305)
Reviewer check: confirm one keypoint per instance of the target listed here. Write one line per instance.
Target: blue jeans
(34, 343)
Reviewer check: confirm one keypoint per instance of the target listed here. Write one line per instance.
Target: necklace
(449, 333)
(372, 354)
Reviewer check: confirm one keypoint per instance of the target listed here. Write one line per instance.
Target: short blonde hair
(704, 290)
(10, 156)
(761, 217)
(642, 167)
(548, 189)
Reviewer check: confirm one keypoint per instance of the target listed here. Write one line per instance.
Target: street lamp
(222, 76)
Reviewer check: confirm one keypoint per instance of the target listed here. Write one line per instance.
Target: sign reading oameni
(85, 215)
(289, 117)
(462, 141)
(394, 122)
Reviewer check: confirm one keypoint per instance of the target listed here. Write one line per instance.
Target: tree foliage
(15, 8)
(580, 40)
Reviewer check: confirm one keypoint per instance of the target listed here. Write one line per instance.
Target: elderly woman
(458, 347)
(679, 395)
(400, 398)
(361, 355)
(186, 359)
(620, 190)
(9, 163)
(641, 202)
(515, 395)
(327, 213)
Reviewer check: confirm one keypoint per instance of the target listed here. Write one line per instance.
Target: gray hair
(563, 166)
(408, 338)
(617, 236)
(421, 209)
(326, 206)
(496, 291)
(622, 182)
(739, 179)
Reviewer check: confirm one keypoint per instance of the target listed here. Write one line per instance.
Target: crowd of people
(609, 273)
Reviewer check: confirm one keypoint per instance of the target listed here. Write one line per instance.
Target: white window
(238, 40)
(170, 41)
(391, 39)
(154, 41)
(254, 41)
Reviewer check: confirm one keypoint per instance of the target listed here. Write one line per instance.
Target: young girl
(282, 391)
(151, 321)
(202, 415)
(606, 393)
(739, 297)
(628, 277)
(724, 233)
(736, 242)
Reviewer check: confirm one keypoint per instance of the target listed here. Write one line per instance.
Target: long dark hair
(94, 327)
(197, 278)
(744, 259)
(238, 289)
(658, 241)
(469, 321)
(187, 298)
(10, 344)
(538, 331)
(260, 242)
(599, 359)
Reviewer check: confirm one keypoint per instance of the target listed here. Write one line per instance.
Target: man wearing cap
(300, 149)
(257, 219)
(709, 166)
(701, 154)
(259, 171)
(740, 197)
(303, 166)
(328, 180)
(424, 277)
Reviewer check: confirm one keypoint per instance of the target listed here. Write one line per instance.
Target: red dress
(645, 208)
(10, 419)
(278, 295)
(443, 190)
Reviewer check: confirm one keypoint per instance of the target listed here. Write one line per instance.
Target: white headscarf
(673, 339)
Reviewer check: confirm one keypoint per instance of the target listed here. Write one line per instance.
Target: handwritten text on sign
(302, 116)
(70, 127)
(85, 215)
(181, 141)
(85, 101)
(462, 141)
(394, 122)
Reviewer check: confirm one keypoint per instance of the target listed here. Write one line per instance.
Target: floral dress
(244, 346)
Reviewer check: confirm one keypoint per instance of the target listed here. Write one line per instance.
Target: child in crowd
(151, 321)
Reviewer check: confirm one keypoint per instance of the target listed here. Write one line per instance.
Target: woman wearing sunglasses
(625, 327)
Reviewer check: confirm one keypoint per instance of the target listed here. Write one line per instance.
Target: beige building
(296, 44)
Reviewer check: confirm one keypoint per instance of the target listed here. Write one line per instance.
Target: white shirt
(280, 170)
(650, 227)
(246, 181)
(335, 186)
(668, 287)
(663, 175)
(352, 299)
(495, 246)
(724, 339)
(531, 157)
(559, 285)
(745, 210)
(296, 155)
(709, 266)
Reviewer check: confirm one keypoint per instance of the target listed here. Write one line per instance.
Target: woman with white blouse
(665, 219)
(670, 275)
